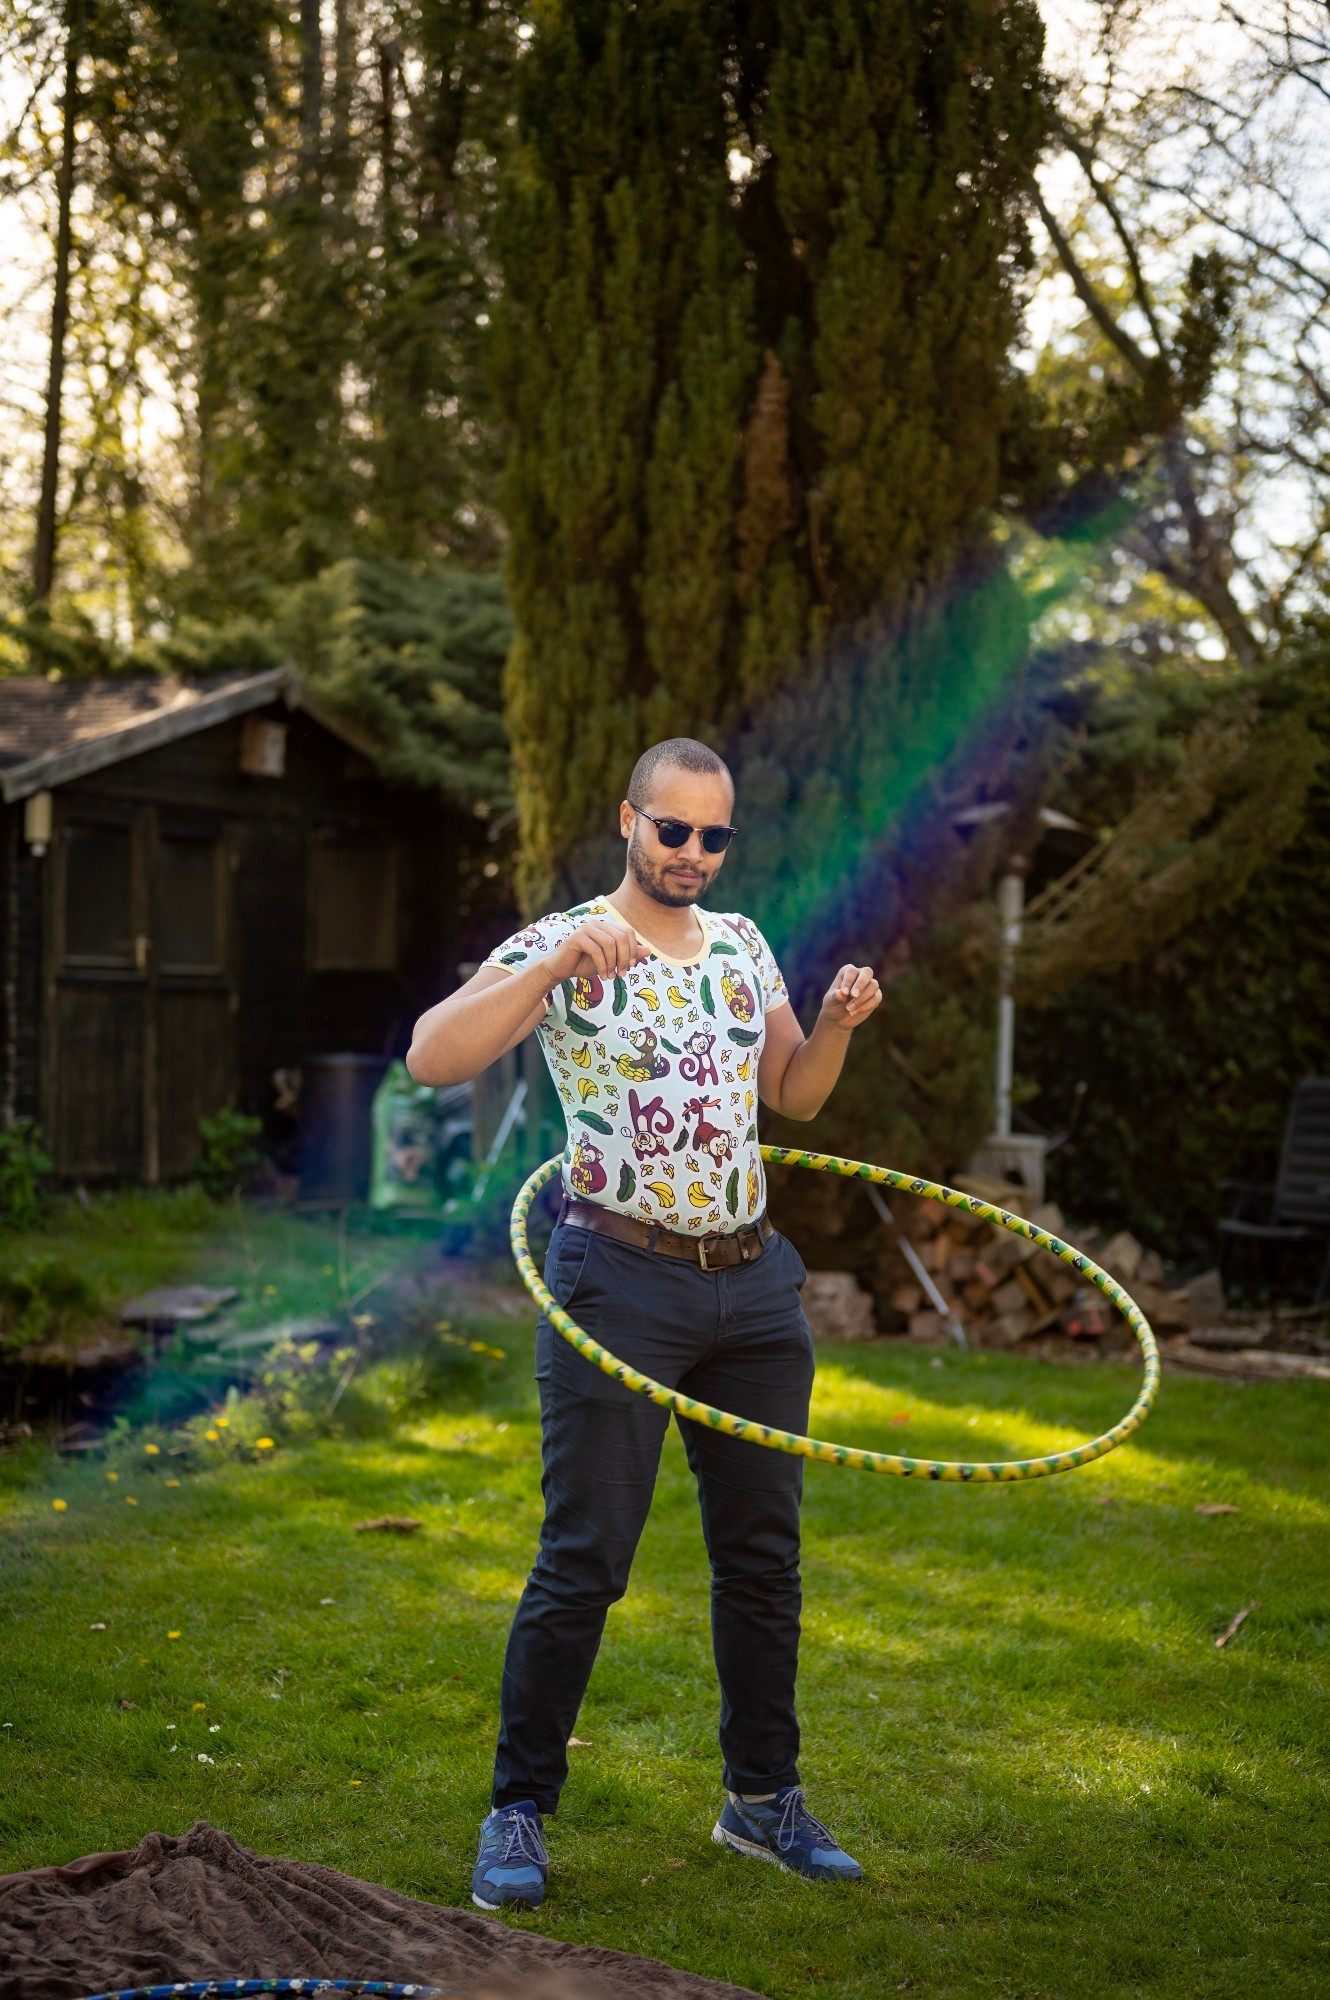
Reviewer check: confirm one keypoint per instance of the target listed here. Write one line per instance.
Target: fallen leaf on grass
(1214, 1507)
(1238, 1618)
(1107, 1500)
(576, 1743)
(123, 1701)
(901, 1417)
(390, 1524)
(676, 1864)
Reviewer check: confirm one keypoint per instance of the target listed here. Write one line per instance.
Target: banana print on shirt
(656, 1071)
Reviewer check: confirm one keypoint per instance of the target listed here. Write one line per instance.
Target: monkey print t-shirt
(657, 1070)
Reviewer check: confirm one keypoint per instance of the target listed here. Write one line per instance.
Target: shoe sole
(512, 1903)
(724, 1838)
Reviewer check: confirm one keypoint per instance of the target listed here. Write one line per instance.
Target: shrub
(228, 1152)
(24, 1170)
(42, 1298)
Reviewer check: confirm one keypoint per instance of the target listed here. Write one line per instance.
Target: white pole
(1011, 903)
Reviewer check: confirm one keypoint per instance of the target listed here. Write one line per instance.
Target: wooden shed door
(191, 999)
(141, 1025)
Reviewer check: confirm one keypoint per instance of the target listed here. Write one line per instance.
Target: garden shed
(203, 885)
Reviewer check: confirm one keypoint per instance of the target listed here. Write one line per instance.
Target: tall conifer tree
(761, 261)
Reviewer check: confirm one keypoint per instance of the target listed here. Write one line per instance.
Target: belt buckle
(702, 1256)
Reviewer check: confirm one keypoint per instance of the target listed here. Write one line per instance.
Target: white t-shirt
(657, 1071)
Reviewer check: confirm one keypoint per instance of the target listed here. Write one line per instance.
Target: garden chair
(1294, 1213)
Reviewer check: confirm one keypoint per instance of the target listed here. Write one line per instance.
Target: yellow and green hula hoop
(845, 1454)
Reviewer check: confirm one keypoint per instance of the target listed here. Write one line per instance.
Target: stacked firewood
(1003, 1288)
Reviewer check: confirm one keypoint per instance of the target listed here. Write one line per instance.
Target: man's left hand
(852, 996)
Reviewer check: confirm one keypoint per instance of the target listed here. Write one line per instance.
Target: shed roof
(52, 731)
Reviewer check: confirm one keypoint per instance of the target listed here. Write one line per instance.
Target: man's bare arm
(797, 1075)
(463, 1034)
(495, 1010)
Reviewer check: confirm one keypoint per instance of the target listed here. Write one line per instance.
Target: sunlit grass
(283, 1266)
(1014, 1710)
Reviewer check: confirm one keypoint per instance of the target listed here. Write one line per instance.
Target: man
(662, 1024)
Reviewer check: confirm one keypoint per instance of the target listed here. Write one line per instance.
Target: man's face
(677, 875)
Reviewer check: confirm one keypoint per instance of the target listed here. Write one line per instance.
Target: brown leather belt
(712, 1253)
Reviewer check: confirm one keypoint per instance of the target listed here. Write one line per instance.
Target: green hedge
(1191, 1056)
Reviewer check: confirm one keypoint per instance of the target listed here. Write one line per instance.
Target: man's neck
(676, 928)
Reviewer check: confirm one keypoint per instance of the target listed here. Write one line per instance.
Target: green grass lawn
(1013, 1708)
(83, 1263)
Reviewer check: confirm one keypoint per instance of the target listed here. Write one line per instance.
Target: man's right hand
(596, 949)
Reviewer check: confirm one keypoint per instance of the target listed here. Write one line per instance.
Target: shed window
(353, 907)
(187, 905)
(98, 890)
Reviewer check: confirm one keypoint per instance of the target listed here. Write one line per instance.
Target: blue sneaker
(784, 1831)
(512, 1864)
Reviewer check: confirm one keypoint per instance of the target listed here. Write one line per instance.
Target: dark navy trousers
(737, 1339)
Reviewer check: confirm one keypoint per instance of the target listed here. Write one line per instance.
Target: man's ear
(626, 817)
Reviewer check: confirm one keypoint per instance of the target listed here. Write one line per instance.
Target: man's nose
(692, 849)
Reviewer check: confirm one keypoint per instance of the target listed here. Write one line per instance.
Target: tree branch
(1139, 360)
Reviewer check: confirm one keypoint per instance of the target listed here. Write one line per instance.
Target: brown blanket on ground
(204, 1907)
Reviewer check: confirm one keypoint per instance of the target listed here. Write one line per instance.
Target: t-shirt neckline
(666, 958)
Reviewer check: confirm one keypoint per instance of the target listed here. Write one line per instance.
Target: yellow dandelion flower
(130, 1501)
(264, 1444)
(355, 1781)
(211, 1436)
(145, 1663)
(113, 1476)
(152, 1450)
(173, 1482)
(60, 1505)
(221, 1422)
(173, 1635)
(197, 1705)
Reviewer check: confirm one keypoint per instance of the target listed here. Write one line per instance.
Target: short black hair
(681, 753)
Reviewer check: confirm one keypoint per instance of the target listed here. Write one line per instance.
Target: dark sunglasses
(675, 832)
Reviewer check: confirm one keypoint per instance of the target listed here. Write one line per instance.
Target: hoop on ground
(854, 1456)
(242, 1989)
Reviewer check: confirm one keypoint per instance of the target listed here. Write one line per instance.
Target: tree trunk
(43, 566)
(311, 85)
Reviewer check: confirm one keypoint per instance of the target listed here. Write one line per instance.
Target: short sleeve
(775, 993)
(532, 941)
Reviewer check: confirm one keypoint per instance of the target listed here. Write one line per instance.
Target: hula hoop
(843, 1454)
(233, 1989)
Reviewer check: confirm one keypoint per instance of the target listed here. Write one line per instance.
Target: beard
(653, 881)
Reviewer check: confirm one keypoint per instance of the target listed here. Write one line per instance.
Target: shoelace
(796, 1816)
(522, 1842)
